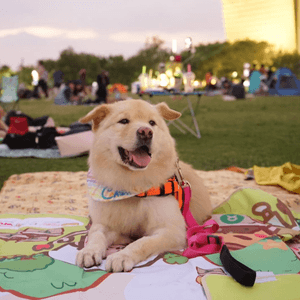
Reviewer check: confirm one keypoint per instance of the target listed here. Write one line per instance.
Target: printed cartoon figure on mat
(271, 216)
(202, 272)
(28, 268)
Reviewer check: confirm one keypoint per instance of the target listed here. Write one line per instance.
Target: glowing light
(247, 66)
(188, 43)
(196, 84)
(172, 81)
(35, 77)
(246, 83)
(174, 46)
(163, 80)
(94, 88)
(144, 80)
(177, 72)
(246, 72)
(213, 81)
(169, 73)
(234, 74)
(154, 82)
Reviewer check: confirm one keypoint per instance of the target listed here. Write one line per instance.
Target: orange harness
(171, 187)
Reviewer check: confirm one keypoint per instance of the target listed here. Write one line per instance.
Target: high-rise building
(274, 21)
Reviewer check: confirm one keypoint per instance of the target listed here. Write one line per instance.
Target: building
(274, 21)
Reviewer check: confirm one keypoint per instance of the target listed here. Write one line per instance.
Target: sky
(31, 30)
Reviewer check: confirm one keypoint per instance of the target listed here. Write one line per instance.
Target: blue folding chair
(9, 93)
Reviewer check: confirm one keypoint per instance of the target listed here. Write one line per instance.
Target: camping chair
(9, 98)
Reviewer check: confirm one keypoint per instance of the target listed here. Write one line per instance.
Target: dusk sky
(33, 30)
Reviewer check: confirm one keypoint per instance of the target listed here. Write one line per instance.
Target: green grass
(263, 131)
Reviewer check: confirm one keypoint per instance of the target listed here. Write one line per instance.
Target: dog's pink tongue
(142, 159)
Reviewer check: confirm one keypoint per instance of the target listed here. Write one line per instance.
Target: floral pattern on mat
(45, 192)
(66, 192)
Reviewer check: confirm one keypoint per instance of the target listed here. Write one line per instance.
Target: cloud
(141, 36)
(51, 32)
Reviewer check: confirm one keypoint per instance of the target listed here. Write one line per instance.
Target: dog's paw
(119, 262)
(90, 256)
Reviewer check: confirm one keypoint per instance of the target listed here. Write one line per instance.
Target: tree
(70, 63)
(288, 60)
(225, 58)
(220, 58)
(25, 76)
(150, 56)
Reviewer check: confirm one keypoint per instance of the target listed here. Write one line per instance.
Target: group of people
(74, 91)
(224, 87)
(230, 90)
(70, 92)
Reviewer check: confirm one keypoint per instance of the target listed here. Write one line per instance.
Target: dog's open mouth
(139, 158)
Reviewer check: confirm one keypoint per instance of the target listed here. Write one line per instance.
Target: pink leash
(202, 241)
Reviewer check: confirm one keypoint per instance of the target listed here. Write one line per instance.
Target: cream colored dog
(133, 151)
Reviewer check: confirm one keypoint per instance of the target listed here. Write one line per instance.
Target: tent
(284, 83)
(120, 87)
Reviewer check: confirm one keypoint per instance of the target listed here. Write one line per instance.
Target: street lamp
(188, 43)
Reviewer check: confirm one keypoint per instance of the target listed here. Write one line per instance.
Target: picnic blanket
(66, 192)
(37, 153)
(38, 257)
(77, 143)
(37, 251)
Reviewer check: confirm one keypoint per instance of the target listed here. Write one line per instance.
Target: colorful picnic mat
(37, 258)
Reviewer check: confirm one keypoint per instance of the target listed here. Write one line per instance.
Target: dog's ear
(96, 115)
(166, 112)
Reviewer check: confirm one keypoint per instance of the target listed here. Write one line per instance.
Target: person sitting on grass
(68, 94)
(78, 92)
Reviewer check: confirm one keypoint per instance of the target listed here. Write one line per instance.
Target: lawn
(263, 131)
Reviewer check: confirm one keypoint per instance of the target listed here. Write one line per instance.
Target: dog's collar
(102, 193)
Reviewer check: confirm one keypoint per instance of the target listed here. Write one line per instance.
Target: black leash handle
(241, 273)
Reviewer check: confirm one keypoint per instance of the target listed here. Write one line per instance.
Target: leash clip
(183, 183)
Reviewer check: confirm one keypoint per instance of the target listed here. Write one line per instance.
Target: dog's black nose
(144, 133)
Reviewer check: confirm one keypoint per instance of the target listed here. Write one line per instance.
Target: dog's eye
(124, 121)
(152, 123)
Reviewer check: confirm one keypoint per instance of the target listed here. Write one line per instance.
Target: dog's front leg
(99, 239)
(141, 249)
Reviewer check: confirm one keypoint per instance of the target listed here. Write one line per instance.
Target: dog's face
(133, 133)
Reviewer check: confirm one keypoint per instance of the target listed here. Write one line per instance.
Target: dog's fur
(153, 224)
